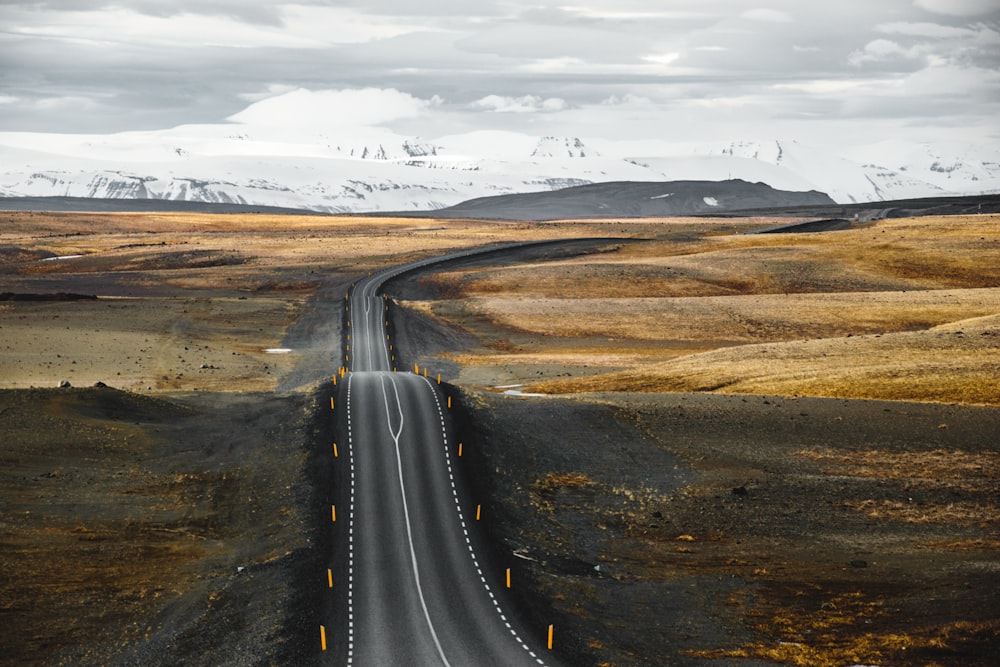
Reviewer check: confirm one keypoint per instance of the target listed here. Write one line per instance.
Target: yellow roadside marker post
(335, 455)
(550, 637)
(322, 637)
(460, 449)
(479, 510)
(329, 578)
(333, 513)
(508, 577)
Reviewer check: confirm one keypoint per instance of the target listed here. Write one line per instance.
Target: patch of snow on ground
(515, 392)
(277, 350)
(711, 201)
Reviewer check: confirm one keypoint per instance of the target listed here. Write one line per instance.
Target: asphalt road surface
(417, 592)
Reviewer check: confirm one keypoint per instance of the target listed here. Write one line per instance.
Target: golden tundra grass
(956, 470)
(935, 467)
(826, 647)
(958, 513)
(278, 239)
(902, 309)
(205, 295)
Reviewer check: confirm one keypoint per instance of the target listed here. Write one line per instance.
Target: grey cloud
(825, 43)
(431, 8)
(959, 7)
(519, 41)
(486, 48)
(250, 12)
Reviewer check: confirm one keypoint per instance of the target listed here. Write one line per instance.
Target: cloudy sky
(830, 72)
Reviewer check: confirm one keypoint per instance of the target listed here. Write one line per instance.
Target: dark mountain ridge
(631, 199)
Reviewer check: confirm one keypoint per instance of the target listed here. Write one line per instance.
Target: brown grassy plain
(901, 309)
(192, 301)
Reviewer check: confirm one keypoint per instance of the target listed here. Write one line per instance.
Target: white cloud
(830, 86)
(629, 100)
(664, 59)
(958, 7)
(74, 103)
(333, 108)
(879, 50)
(766, 15)
(726, 102)
(563, 64)
(524, 104)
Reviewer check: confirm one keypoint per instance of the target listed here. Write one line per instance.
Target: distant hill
(629, 199)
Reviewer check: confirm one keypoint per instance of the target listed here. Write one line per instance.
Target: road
(417, 591)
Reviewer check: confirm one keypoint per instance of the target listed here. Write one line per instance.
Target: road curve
(417, 593)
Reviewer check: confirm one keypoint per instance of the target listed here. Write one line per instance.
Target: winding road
(417, 592)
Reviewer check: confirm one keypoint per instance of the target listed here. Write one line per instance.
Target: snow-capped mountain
(374, 169)
(952, 167)
(844, 181)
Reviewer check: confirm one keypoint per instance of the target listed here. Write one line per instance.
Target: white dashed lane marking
(465, 531)
(350, 535)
